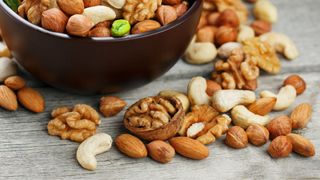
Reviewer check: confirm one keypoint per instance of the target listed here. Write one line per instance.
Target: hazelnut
(203, 20)
(106, 23)
(160, 151)
(79, 25)
(225, 34)
(181, 8)
(212, 86)
(145, 26)
(213, 18)
(110, 105)
(228, 17)
(90, 3)
(54, 20)
(280, 125)
(261, 27)
(236, 138)
(280, 147)
(171, 2)
(206, 34)
(100, 32)
(166, 14)
(297, 82)
(258, 135)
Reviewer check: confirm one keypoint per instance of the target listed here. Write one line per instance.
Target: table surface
(28, 152)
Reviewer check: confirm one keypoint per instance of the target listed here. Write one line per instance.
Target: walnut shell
(165, 131)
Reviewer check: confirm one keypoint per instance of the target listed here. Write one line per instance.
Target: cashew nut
(265, 10)
(179, 95)
(197, 91)
(224, 100)
(225, 50)
(118, 4)
(285, 97)
(242, 117)
(92, 146)
(200, 52)
(99, 14)
(7, 68)
(282, 44)
(245, 32)
(4, 51)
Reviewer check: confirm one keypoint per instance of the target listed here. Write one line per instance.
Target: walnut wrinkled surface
(151, 113)
(77, 124)
(139, 10)
(262, 53)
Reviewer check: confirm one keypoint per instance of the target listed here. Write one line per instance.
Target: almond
(71, 7)
(90, 3)
(301, 115)
(8, 99)
(160, 151)
(301, 145)
(131, 146)
(263, 106)
(31, 99)
(189, 148)
(15, 82)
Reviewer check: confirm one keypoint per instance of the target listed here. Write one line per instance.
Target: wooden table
(28, 152)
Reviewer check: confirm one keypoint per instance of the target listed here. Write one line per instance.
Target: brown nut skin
(71, 7)
(79, 25)
(171, 2)
(213, 18)
(262, 106)
(90, 3)
(15, 82)
(131, 146)
(301, 115)
(228, 17)
(54, 20)
(189, 148)
(111, 105)
(181, 8)
(161, 151)
(280, 125)
(260, 27)
(236, 138)
(257, 134)
(212, 86)
(297, 82)
(31, 99)
(280, 147)
(166, 14)
(206, 34)
(225, 34)
(301, 145)
(164, 132)
(145, 26)
(99, 31)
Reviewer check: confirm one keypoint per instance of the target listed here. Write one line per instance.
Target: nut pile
(101, 18)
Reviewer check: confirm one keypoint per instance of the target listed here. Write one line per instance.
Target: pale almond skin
(301, 115)
(263, 106)
(71, 7)
(15, 82)
(8, 99)
(301, 145)
(31, 99)
(160, 151)
(189, 148)
(131, 146)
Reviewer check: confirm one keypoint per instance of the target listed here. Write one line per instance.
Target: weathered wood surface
(27, 152)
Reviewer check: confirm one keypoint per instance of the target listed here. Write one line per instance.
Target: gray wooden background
(27, 152)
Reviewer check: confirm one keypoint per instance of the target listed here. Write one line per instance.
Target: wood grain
(27, 152)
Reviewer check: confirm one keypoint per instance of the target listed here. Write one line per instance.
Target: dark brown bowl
(97, 65)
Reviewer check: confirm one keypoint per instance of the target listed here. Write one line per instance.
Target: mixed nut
(100, 18)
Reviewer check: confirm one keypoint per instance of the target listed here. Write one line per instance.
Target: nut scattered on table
(131, 146)
(160, 151)
(257, 134)
(236, 138)
(279, 126)
(280, 147)
(110, 105)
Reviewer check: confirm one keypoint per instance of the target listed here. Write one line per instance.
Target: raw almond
(160, 151)
(189, 148)
(301, 115)
(71, 7)
(8, 99)
(131, 146)
(31, 99)
(263, 106)
(301, 145)
(15, 82)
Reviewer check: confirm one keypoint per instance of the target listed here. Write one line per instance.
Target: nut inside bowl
(97, 65)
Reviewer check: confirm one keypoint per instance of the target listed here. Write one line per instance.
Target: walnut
(77, 124)
(199, 113)
(139, 10)
(237, 5)
(263, 53)
(153, 118)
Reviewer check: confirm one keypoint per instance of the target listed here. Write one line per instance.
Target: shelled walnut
(138, 10)
(154, 118)
(239, 71)
(77, 124)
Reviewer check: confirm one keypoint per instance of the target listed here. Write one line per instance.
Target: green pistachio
(120, 28)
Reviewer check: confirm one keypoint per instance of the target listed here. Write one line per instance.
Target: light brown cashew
(99, 14)
(282, 44)
(118, 4)
(285, 97)
(224, 100)
(7, 68)
(225, 50)
(242, 117)
(179, 95)
(265, 10)
(245, 32)
(92, 146)
(200, 52)
(197, 91)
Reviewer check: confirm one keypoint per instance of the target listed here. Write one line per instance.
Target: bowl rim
(162, 29)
